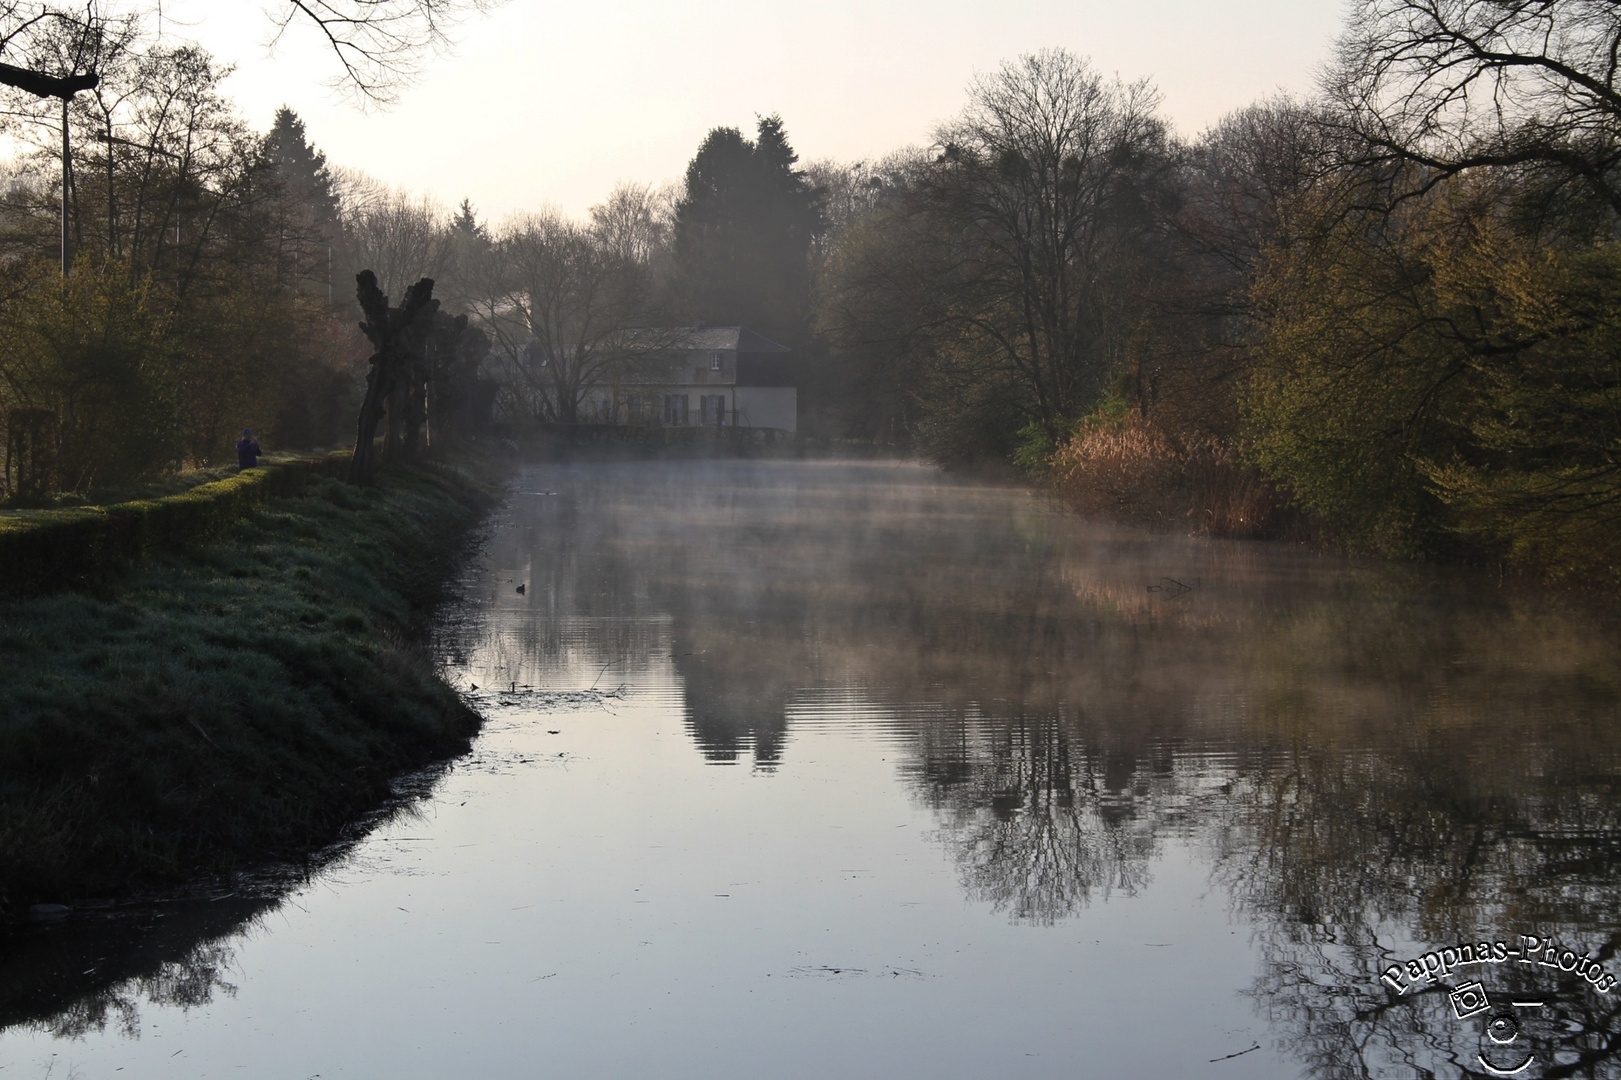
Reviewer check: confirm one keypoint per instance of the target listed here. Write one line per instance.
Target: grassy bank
(218, 707)
(48, 550)
(151, 487)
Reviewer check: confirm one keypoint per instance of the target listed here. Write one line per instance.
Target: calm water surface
(816, 770)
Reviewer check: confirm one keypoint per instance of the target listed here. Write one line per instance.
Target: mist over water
(803, 769)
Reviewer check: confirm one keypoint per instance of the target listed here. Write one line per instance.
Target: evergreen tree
(305, 207)
(466, 223)
(466, 257)
(743, 233)
(301, 168)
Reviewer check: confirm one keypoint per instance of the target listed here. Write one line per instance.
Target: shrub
(90, 351)
(1123, 466)
(1126, 469)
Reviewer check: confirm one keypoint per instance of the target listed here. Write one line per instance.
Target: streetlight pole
(67, 185)
(58, 86)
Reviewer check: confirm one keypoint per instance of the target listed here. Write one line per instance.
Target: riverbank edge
(43, 551)
(228, 705)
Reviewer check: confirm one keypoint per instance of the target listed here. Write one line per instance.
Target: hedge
(60, 549)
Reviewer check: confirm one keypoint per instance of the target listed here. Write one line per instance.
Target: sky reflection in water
(800, 769)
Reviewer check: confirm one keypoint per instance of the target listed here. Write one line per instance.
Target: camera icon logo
(1468, 1000)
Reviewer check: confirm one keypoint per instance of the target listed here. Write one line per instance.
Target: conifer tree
(301, 168)
(466, 223)
(305, 207)
(743, 232)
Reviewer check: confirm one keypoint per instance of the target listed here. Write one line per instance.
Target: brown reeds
(1133, 471)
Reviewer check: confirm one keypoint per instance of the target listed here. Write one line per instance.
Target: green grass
(154, 487)
(215, 709)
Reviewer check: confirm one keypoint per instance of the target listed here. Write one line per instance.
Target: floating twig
(1241, 1053)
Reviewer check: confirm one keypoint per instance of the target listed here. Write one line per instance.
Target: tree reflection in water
(1347, 863)
(1374, 761)
(96, 973)
(1036, 829)
(185, 983)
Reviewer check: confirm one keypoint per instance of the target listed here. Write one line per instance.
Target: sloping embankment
(44, 551)
(251, 681)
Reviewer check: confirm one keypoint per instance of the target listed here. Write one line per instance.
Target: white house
(714, 376)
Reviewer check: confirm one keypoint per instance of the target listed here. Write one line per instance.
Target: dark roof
(738, 338)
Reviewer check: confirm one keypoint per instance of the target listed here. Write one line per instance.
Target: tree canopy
(743, 232)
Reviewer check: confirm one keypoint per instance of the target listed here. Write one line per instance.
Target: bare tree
(1242, 174)
(61, 49)
(1005, 270)
(1236, 185)
(382, 46)
(856, 189)
(1452, 85)
(399, 338)
(568, 311)
(398, 237)
(634, 222)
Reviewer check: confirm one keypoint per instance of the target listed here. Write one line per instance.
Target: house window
(714, 361)
(642, 409)
(675, 410)
(714, 409)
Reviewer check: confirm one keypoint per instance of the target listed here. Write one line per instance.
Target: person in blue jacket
(247, 450)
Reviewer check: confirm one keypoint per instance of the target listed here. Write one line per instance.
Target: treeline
(213, 271)
(214, 279)
(568, 305)
(197, 303)
(1385, 317)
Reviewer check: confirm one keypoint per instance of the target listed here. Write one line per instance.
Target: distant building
(710, 376)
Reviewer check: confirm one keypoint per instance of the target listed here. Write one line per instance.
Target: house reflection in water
(743, 653)
(735, 704)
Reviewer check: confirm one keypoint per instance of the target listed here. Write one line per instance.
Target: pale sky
(547, 102)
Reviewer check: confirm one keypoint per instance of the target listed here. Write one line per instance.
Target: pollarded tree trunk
(397, 336)
(393, 407)
(415, 405)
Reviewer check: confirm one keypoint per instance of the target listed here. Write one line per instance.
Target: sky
(543, 102)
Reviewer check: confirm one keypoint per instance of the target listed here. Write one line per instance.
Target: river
(811, 769)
